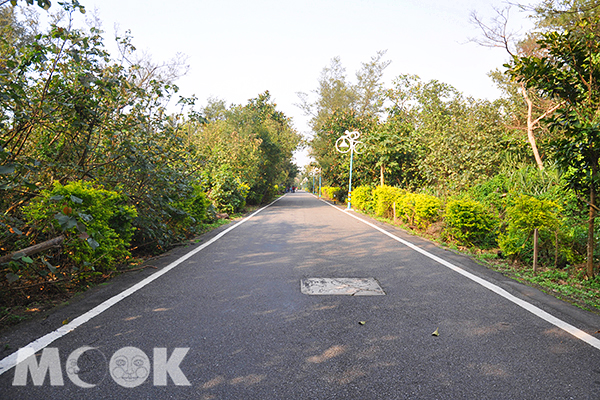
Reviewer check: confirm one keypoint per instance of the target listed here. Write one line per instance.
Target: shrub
(405, 208)
(468, 222)
(97, 223)
(362, 198)
(492, 192)
(384, 198)
(526, 214)
(332, 193)
(198, 209)
(228, 194)
(427, 209)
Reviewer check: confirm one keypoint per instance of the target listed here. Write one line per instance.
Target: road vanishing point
(306, 300)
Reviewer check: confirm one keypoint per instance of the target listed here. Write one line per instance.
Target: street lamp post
(348, 143)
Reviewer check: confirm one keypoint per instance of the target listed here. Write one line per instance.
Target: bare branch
(496, 34)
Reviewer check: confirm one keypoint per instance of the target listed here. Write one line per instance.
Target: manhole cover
(341, 286)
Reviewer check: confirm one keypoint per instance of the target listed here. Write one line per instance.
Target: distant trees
(417, 132)
(254, 141)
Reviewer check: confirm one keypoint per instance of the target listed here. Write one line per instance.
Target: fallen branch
(33, 249)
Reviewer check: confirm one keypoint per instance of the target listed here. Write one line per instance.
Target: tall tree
(336, 93)
(570, 72)
(369, 85)
(498, 34)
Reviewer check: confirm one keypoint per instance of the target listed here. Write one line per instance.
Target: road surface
(231, 321)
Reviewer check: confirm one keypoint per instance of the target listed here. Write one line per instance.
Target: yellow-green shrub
(332, 193)
(470, 223)
(526, 214)
(405, 207)
(362, 198)
(427, 209)
(384, 198)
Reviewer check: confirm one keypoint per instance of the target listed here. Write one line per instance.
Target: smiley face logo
(129, 367)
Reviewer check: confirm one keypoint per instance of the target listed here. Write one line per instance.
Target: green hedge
(97, 223)
(413, 208)
(332, 193)
(384, 198)
(426, 209)
(470, 223)
(362, 198)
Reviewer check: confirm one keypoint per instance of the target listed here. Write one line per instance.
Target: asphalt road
(231, 322)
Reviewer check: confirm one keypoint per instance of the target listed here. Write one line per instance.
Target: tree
(393, 144)
(369, 87)
(253, 141)
(570, 72)
(335, 166)
(45, 4)
(563, 14)
(471, 131)
(497, 34)
(336, 93)
(394, 152)
(333, 93)
(342, 105)
(70, 112)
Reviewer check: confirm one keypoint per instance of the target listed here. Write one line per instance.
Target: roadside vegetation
(103, 165)
(97, 172)
(492, 178)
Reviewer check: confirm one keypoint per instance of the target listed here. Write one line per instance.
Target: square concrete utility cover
(341, 286)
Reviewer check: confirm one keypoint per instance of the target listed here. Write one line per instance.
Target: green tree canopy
(570, 72)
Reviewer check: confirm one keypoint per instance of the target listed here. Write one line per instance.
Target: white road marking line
(10, 361)
(578, 333)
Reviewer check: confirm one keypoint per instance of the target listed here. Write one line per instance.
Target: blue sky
(240, 48)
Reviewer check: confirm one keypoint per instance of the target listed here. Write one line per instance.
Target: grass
(569, 284)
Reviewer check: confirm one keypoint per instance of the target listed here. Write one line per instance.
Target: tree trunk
(530, 125)
(381, 174)
(590, 238)
(535, 249)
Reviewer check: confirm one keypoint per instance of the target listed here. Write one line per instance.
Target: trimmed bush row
(332, 193)
(468, 222)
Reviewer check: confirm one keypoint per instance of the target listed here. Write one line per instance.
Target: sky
(238, 49)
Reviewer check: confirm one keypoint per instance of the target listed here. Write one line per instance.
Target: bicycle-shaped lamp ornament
(349, 143)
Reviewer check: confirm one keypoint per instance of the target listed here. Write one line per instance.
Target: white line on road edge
(10, 361)
(578, 333)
